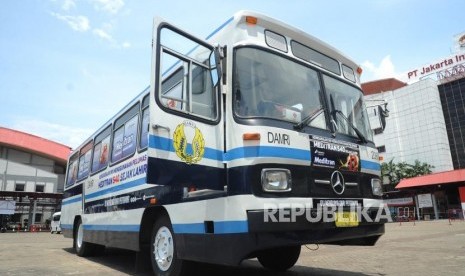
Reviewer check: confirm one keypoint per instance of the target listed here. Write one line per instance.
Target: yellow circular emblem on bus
(192, 153)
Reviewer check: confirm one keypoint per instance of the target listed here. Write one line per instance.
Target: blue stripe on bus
(189, 228)
(66, 226)
(114, 228)
(226, 227)
(369, 165)
(161, 143)
(220, 227)
(73, 200)
(166, 144)
(118, 188)
(268, 151)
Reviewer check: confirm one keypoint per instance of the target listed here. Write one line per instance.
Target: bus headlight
(376, 187)
(276, 180)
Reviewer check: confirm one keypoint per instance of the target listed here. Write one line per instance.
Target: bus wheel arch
(83, 248)
(157, 238)
(149, 217)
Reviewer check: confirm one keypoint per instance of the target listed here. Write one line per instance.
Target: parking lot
(427, 248)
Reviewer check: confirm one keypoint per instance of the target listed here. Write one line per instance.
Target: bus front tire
(163, 253)
(279, 259)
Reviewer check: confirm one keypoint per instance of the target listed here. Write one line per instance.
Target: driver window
(186, 75)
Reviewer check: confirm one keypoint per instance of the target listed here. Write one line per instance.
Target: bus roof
(282, 28)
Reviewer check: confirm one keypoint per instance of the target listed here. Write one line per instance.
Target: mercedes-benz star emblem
(337, 182)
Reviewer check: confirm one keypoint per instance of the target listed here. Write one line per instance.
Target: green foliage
(395, 172)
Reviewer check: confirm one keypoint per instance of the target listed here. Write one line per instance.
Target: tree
(395, 172)
(422, 168)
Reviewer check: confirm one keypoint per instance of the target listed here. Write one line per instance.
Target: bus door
(186, 133)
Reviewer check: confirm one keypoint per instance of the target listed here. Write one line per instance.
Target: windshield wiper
(307, 120)
(359, 134)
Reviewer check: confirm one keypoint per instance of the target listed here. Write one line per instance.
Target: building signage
(7, 207)
(403, 201)
(446, 68)
(435, 67)
(425, 201)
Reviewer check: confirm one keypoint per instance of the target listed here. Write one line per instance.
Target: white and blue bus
(234, 133)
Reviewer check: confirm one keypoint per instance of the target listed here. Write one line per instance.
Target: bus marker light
(153, 201)
(251, 136)
(359, 70)
(251, 20)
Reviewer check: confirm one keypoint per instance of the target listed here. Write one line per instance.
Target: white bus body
(190, 167)
(55, 226)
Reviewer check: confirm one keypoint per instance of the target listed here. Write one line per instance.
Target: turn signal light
(251, 20)
(251, 136)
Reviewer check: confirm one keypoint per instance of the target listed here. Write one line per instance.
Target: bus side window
(144, 124)
(125, 134)
(101, 150)
(84, 161)
(72, 170)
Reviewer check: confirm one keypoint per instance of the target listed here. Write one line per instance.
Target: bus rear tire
(279, 259)
(84, 249)
(163, 254)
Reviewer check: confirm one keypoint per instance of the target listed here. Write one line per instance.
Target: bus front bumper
(232, 248)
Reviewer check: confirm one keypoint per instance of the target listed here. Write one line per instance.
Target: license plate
(346, 219)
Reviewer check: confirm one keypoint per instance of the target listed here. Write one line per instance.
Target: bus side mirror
(383, 114)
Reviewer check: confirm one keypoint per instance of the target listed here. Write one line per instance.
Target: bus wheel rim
(163, 248)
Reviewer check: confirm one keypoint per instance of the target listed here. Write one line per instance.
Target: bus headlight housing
(376, 187)
(276, 180)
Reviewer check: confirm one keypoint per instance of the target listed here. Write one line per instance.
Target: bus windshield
(262, 89)
(347, 100)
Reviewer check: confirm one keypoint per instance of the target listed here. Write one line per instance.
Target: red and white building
(32, 172)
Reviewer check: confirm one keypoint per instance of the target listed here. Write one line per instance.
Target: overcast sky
(67, 66)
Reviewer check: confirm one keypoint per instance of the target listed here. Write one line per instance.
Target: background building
(32, 172)
(426, 123)
(453, 104)
(415, 128)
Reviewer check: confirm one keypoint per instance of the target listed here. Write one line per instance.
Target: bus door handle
(157, 126)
